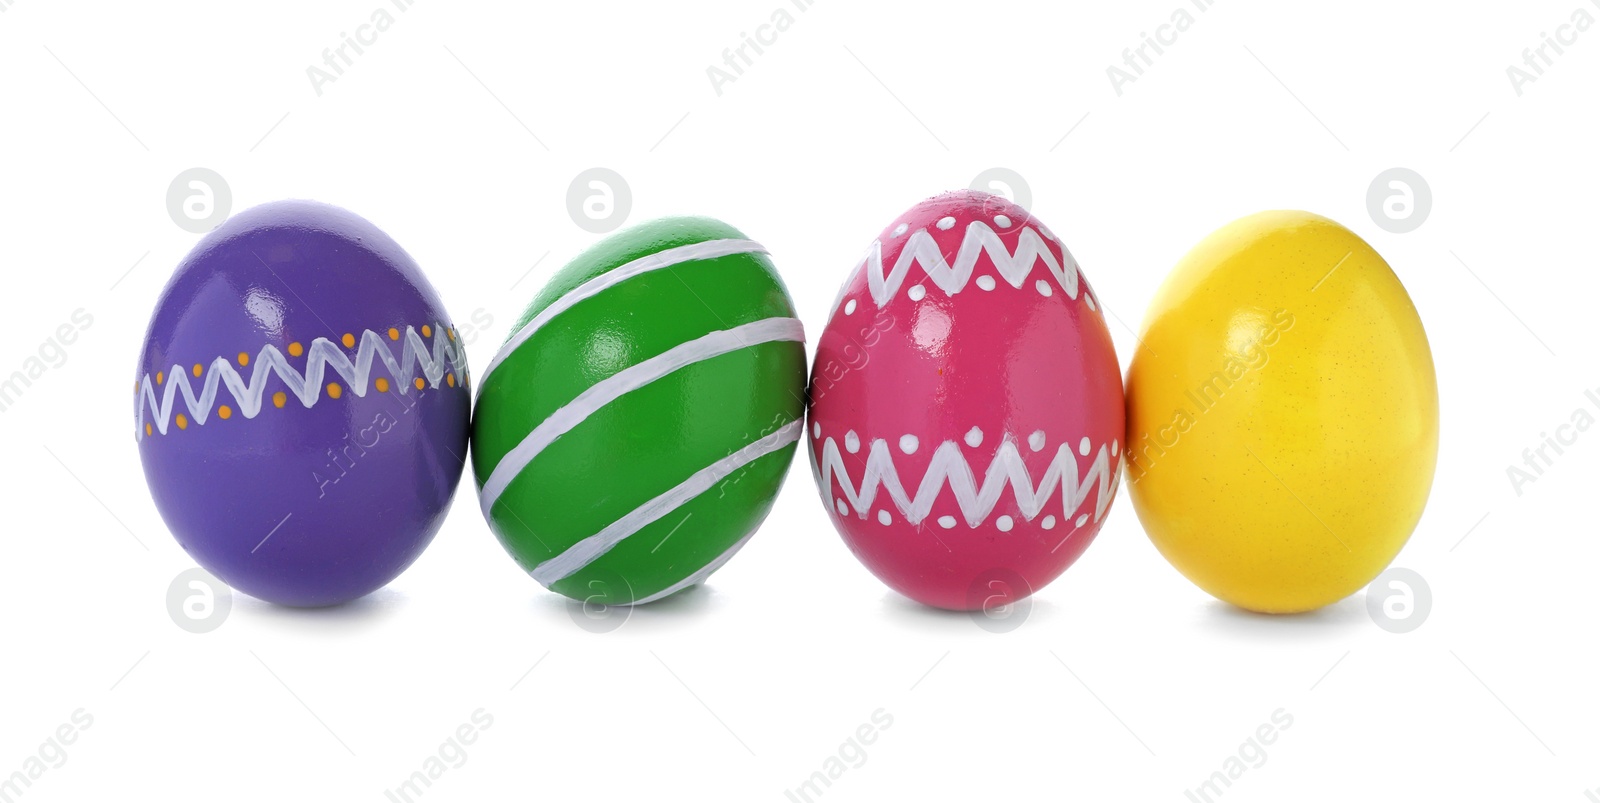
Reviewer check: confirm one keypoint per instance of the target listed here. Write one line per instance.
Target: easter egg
(966, 405)
(1283, 416)
(301, 405)
(633, 431)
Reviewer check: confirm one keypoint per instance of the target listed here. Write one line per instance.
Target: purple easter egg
(302, 405)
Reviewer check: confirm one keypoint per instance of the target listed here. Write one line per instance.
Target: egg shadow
(357, 614)
(1329, 622)
(669, 613)
(907, 613)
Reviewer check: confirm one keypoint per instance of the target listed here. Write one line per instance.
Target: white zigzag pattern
(979, 239)
(322, 355)
(976, 502)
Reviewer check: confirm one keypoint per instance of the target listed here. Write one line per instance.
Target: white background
(458, 132)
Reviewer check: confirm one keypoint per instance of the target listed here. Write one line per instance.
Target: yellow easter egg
(1283, 415)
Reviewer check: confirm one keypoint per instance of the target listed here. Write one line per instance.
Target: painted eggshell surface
(966, 405)
(634, 430)
(301, 405)
(1283, 414)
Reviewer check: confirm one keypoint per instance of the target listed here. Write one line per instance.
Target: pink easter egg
(965, 405)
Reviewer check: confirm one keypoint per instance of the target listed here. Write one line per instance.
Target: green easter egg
(633, 431)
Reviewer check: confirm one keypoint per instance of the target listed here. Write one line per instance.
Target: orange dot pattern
(297, 349)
